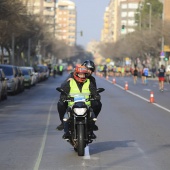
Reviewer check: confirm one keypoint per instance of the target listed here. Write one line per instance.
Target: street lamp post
(150, 15)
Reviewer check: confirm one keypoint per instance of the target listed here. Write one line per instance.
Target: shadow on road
(109, 145)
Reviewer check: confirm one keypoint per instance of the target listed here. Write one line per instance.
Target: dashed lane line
(39, 158)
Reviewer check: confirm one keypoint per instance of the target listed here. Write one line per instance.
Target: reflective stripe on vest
(75, 90)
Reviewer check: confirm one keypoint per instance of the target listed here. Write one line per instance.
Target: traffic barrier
(126, 86)
(114, 81)
(152, 100)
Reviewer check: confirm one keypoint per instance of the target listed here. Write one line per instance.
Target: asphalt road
(133, 133)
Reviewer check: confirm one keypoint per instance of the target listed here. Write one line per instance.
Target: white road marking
(147, 89)
(140, 97)
(38, 161)
(86, 154)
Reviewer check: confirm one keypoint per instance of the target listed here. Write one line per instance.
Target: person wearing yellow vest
(78, 84)
(54, 70)
(60, 69)
(95, 104)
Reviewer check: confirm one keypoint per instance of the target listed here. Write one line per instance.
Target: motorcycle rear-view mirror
(61, 90)
(99, 90)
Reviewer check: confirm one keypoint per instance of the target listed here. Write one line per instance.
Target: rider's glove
(63, 98)
(97, 97)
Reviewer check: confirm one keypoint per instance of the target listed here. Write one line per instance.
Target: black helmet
(89, 64)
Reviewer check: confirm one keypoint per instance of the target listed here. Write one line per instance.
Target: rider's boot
(66, 131)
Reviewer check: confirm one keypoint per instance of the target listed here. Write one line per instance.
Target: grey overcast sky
(90, 15)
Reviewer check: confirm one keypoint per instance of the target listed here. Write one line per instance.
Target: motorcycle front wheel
(80, 137)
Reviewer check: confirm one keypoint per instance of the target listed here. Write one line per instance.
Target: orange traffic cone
(126, 86)
(152, 100)
(114, 81)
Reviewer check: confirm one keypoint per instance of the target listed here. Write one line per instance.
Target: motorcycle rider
(96, 104)
(79, 82)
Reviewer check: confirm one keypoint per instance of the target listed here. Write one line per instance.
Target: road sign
(167, 48)
(162, 55)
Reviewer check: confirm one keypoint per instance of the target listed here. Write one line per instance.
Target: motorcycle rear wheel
(80, 137)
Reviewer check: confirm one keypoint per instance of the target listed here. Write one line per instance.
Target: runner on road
(161, 77)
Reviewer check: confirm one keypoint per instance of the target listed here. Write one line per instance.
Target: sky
(90, 14)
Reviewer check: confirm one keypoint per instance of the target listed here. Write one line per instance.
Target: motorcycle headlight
(80, 111)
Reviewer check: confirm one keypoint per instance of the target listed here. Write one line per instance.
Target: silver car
(3, 85)
(21, 79)
(11, 75)
(33, 75)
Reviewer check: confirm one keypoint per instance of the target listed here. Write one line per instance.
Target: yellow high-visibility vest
(75, 90)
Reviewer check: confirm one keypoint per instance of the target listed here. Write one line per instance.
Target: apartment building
(44, 10)
(127, 11)
(119, 12)
(58, 15)
(66, 21)
(105, 31)
(108, 31)
(166, 10)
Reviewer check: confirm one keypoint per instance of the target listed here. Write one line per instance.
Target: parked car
(27, 77)
(46, 72)
(3, 85)
(20, 79)
(32, 74)
(42, 72)
(13, 80)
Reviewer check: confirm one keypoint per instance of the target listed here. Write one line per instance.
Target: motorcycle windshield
(79, 98)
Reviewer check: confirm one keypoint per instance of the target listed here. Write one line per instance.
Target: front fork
(84, 122)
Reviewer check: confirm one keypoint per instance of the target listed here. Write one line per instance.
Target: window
(133, 5)
(123, 22)
(62, 7)
(124, 6)
(124, 14)
(131, 30)
(130, 14)
(49, 1)
(130, 22)
(49, 9)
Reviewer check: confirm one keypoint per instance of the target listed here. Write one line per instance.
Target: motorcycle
(80, 120)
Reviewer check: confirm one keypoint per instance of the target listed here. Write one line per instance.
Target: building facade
(60, 17)
(66, 21)
(44, 10)
(127, 11)
(119, 13)
(166, 10)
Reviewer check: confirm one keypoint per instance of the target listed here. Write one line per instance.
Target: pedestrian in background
(161, 77)
(135, 74)
(145, 74)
